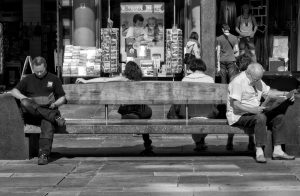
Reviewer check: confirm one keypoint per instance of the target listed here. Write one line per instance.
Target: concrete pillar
(201, 18)
(298, 34)
(208, 34)
(32, 18)
(84, 23)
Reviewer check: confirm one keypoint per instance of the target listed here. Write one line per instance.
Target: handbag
(188, 57)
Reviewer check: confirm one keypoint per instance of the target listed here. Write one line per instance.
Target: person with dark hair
(246, 27)
(227, 51)
(193, 49)
(244, 60)
(204, 111)
(137, 31)
(41, 93)
(132, 72)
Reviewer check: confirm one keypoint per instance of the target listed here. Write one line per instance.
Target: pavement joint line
(63, 178)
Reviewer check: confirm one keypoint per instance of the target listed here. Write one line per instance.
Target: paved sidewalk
(111, 166)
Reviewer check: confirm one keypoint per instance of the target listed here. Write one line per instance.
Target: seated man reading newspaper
(244, 110)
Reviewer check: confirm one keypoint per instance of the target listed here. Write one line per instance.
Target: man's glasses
(254, 79)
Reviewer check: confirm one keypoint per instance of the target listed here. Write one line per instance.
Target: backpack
(188, 57)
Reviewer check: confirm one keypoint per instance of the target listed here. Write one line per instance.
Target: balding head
(255, 69)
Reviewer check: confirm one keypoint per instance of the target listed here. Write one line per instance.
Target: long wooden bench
(115, 93)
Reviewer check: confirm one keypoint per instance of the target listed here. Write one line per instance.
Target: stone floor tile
(89, 193)
(199, 181)
(254, 181)
(64, 193)
(245, 193)
(204, 173)
(132, 181)
(34, 168)
(30, 181)
(21, 194)
(29, 175)
(2, 175)
(75, 182)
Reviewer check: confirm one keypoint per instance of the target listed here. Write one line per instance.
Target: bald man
(244, 109)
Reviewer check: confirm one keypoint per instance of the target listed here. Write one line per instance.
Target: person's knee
(279, 118)
(26, 102)
(261, 118)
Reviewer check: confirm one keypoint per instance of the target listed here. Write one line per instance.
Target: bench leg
(32, 144)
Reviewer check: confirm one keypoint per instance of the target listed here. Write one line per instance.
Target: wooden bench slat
(146, 122)
(151, 129)
(146, 93)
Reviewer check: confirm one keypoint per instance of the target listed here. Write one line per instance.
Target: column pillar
(84, 23)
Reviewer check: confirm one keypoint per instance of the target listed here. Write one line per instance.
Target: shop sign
(130, 8)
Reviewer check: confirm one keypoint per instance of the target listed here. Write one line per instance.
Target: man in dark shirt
(41, 94)
(227, 51)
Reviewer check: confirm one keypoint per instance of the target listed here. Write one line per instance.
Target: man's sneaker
(43, 159)
(60, 121)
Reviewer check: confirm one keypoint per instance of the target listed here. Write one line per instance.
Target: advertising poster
(142, 32)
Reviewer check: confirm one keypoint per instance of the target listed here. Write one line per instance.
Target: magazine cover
(142, 30)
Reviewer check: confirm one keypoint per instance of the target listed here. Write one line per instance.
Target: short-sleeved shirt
(241, 90)
(227, 51)
(43, 90)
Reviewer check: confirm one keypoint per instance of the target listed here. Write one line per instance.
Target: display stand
(110, 49)
(174, 51)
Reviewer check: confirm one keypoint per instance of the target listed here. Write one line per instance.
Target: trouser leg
(199, 138)
(278, 134)
(232, 70)
(223, 73)
(46, 137)
(146, 137)
(29, 106)
(147, 141)
(258, 122)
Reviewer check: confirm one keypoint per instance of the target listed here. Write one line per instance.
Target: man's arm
(17, 94)
(236, 50)
(253, 110)
(255, 26)
(218, 57)
(288, 95)
(62, 100)
(237, 26)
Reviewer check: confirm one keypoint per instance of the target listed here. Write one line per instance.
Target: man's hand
(53, 106)
(257, 110)
(80, 81)
(291, 95)
(218, 67)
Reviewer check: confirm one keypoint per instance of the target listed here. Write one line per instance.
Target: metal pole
(186, 114)
(106, 114)
(109, 9)
(174, 13)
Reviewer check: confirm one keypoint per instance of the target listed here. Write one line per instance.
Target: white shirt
(200, 110)
(240, 89)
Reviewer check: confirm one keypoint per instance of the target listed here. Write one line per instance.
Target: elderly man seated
(244, 110)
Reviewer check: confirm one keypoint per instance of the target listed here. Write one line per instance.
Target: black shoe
(60, 121)
(229, 146)
(200, 147)
(43, 159)
(147, 152)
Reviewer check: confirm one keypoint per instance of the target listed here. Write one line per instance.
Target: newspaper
(272, 102)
